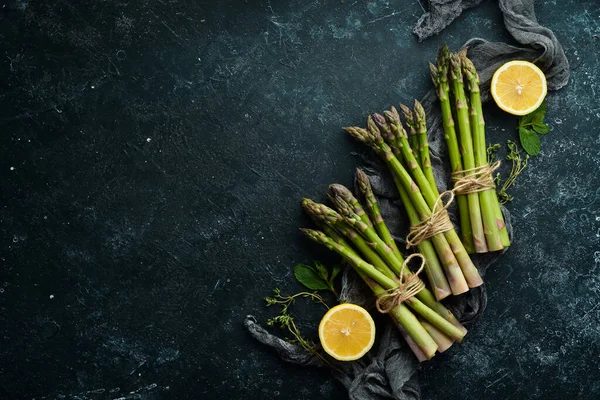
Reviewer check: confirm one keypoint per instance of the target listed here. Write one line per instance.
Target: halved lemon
(518, 87)
(347, 332)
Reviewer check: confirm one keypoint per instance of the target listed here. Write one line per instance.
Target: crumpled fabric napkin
(388, 371)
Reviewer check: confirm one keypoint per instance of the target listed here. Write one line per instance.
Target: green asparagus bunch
(482, 223)
(359, 234)
(449, 268)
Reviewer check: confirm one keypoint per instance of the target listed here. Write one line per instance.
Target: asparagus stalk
(424, 197)
(442, 340)
(412, 129)
(493, 220)
(490, 229)
(433, 269)
(396, 314)
(352, 202)
(421, 123)
(364, 186)
(372, 138)
(428, 251)
(388, 284)
(324, 215)
(466, 144)
(451, 266)
(439, 75)
(339, 195)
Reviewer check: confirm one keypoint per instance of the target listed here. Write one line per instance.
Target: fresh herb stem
(287, 301)
(286, 321)
(518, 164)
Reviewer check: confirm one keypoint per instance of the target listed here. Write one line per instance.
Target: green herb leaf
(336, 270)
(321, 270)
(491, 152)
(540, 127)
(539, 114)
(310, 277)
(526, 120)
(530, 141)
(535, 120)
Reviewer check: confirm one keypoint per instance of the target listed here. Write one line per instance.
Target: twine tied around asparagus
(477, 179)
(438, 222)
(409, 286)
(474, 180)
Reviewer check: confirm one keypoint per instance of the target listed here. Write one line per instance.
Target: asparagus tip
(374, 132)
(308, 232)
(455, 65)
(360, 173)
(419, 110)
(315, 235)
(342, 198)
(392, 115)
(358, 133)
(433, 71)
(362, 181)
(320, 212)
(408, 116)
(379, 119)
(340, 190)
(371, 123)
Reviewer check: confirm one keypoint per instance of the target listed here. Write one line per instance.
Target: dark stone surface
(152, 161)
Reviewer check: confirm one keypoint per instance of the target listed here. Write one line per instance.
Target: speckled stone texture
(153, 157)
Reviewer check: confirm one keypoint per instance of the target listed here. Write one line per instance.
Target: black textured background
(152, 159)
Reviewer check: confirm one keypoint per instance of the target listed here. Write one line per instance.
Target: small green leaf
(540, 128)
(306, 275)
(321, 270)
(539, 114)
(530, 141)
(336, 270)
(534, 117)
(525, 120)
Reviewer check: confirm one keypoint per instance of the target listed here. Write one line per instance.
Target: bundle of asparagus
(448, 266)
(481, 220)
(364, 241)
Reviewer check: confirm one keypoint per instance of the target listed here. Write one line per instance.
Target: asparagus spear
(466, 145)
(451, 266)
(412, 129)
(490, 229)
(421, 123)
(364, 185)
(493, 221)
(388, 284)
(442, 340)
(424, 193)
(397, 314)
(324, 215)
(373, 139)
(329, 217)
(433, 268)
(339, 196)
(439, 75)
(357, 208)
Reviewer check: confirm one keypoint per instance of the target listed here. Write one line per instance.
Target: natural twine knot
(438, 222)
(467, 181)
(474, 180)
(410, 285)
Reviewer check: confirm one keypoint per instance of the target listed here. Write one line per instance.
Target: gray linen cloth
(388, 371)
